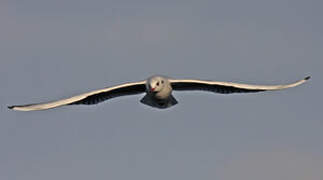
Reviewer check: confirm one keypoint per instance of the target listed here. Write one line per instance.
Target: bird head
(156, 84)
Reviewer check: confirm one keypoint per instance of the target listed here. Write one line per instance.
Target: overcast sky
(53, 49)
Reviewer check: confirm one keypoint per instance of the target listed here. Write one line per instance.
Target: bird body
(158, 91)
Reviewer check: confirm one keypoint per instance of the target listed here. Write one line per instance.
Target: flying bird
(158, 91)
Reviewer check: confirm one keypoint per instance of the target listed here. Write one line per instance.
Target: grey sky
(54, 49)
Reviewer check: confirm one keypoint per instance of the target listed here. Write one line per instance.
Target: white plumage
(158, 91)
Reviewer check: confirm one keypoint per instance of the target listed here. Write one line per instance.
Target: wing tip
(307, 78)
(11, 107)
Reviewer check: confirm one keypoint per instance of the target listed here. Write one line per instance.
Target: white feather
(240, 85)
(62, 102)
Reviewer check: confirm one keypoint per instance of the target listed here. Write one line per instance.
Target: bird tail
(160, 104)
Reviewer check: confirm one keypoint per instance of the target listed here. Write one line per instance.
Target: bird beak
(152, 89)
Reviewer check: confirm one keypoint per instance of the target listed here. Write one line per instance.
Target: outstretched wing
(227, 87)
(89, 98)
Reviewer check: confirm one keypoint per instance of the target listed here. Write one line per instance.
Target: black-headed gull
(158, 92)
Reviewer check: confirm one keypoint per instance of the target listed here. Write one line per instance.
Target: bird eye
(157, 84)
(162, 82)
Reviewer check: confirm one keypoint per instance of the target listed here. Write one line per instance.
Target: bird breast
(164, 93)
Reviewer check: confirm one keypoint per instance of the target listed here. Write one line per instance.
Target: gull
(158, 91)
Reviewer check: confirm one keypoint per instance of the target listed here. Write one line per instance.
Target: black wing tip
(11, 107)
(307, 78)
